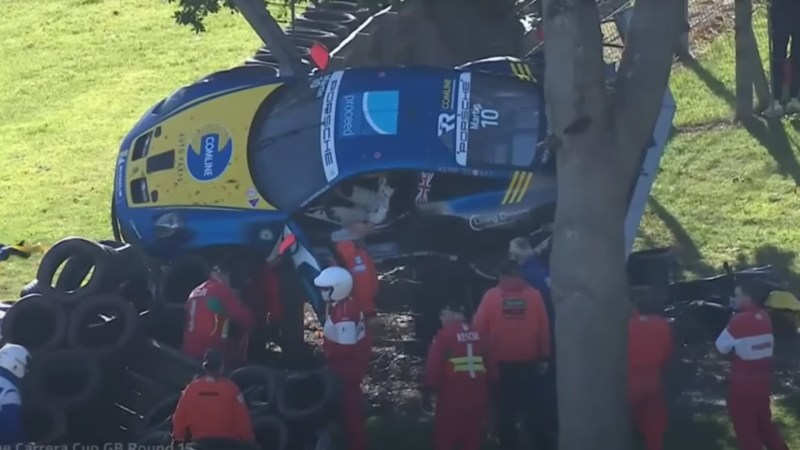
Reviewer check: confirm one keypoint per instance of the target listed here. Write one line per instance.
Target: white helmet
(520, 250)
(335, 282)
(15, 358)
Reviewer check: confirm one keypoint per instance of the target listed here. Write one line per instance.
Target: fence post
(743, 26)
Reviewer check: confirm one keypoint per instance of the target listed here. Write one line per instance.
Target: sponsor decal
(423, 187)
(369, 113)
(514, 308)
(482, 222)
(320, 83)
(462, 117)
(209, 153)
(326, 137)
(121, 161)
(483, 117)
(252, 196)
(447, 94)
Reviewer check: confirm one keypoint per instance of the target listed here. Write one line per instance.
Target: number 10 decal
(489, 118)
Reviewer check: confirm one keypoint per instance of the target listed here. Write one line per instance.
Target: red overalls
(209, 310)
(749, 336)
(649, 349)
(365, 278)
(347, 356)
(211, 408)
(456, 371)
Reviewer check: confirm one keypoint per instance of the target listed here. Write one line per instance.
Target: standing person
(784, 16)
(346, 349)
(649, 350)
(14, 360)
(455, 371)
(211, 407)
(748, 337)
(350, 252)
(512, 320)
(211, 310)
(534, 270)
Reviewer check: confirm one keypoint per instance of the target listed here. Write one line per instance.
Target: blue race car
(443, 162)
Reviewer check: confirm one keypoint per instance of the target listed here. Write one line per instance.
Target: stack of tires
(328, 24)
(77, 319)
(285, 408)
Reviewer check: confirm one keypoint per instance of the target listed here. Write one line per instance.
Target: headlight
(167, 224)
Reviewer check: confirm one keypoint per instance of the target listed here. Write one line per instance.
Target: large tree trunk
(602, 131)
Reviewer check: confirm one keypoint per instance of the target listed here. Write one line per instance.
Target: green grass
(76, 75)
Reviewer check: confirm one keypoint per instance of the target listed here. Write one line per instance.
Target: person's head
(221, 271)
(644, 300)
(749, 293)
(212, 362)
(452, 312)
(334, 283)
(508, 269)
(15, 359)
(520, 250)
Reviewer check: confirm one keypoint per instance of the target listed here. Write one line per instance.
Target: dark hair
(644, 299)
(757, 291)
(508, 268)
(212, 361)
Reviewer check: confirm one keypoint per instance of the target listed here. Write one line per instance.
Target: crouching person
(455, 371)
(212, 409)
(14, 361)
(649, 350)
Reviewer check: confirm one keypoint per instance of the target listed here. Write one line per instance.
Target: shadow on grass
(772, 136)
(684, 247)
(716, 86)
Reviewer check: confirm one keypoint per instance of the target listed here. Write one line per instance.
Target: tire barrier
(326, 38)
(331, 27)
(44, 423)
(359, 12)
(66, 379)
(271, 433)
(75, 254)
(307, 396)
(259, 386)
(35, 322)
(344, 19)
(159, 418)
(102, 325)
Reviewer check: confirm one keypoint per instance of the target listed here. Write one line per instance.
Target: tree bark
(743, 25)
(602, 131)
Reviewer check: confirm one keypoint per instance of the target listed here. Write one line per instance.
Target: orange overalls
(649, 349)
(211, 408)
(456, 371)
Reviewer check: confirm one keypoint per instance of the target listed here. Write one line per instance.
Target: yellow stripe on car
(520, 182)
(522, 71)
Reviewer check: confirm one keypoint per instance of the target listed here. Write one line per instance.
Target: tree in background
(600, 131)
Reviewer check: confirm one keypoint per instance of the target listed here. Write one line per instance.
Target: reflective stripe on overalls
(470, 363)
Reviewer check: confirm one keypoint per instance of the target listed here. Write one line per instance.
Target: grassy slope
(74, 83)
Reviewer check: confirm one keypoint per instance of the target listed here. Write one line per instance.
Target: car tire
(344, 19)
(60, 253)
(31, 288)
(361, 13)
(307, 396)
(326, 38)
(258, 376)
(271, 432)
(67, 379)
(88, 333)
(159, 417)
(35, 322)
(331, 27)
(43, 423)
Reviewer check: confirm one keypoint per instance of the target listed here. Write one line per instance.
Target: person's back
(211, 407)
(513, 321)
(14, 360)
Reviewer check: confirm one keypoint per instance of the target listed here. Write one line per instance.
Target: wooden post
(743, 29)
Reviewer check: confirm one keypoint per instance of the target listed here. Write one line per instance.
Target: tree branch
(574, 82)
(643, 75)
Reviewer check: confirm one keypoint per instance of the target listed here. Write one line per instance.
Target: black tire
(59, 254)
(88, 332)
(344, 19)
(75, 270)
(30, 288)
(266, 379)
(307, 396)
(159, 417)
(361, 13)
(326, 38)
(271, 432)
(302, 42)
(67, 379)
(157, 439)
(331, 27)
(35, 322)
(180, 278)
(163, 364)
(43, 423)
(269, 68)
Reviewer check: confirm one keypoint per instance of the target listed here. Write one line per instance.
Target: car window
(284, 148)
(506, 121)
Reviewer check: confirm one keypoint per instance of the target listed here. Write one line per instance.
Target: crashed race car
(444, 163)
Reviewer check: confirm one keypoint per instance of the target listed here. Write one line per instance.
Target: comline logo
(209, 153)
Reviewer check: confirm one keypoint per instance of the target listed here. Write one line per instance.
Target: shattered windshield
(284, 149)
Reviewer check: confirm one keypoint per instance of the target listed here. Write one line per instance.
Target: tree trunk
(743, 17)
(602, 133)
